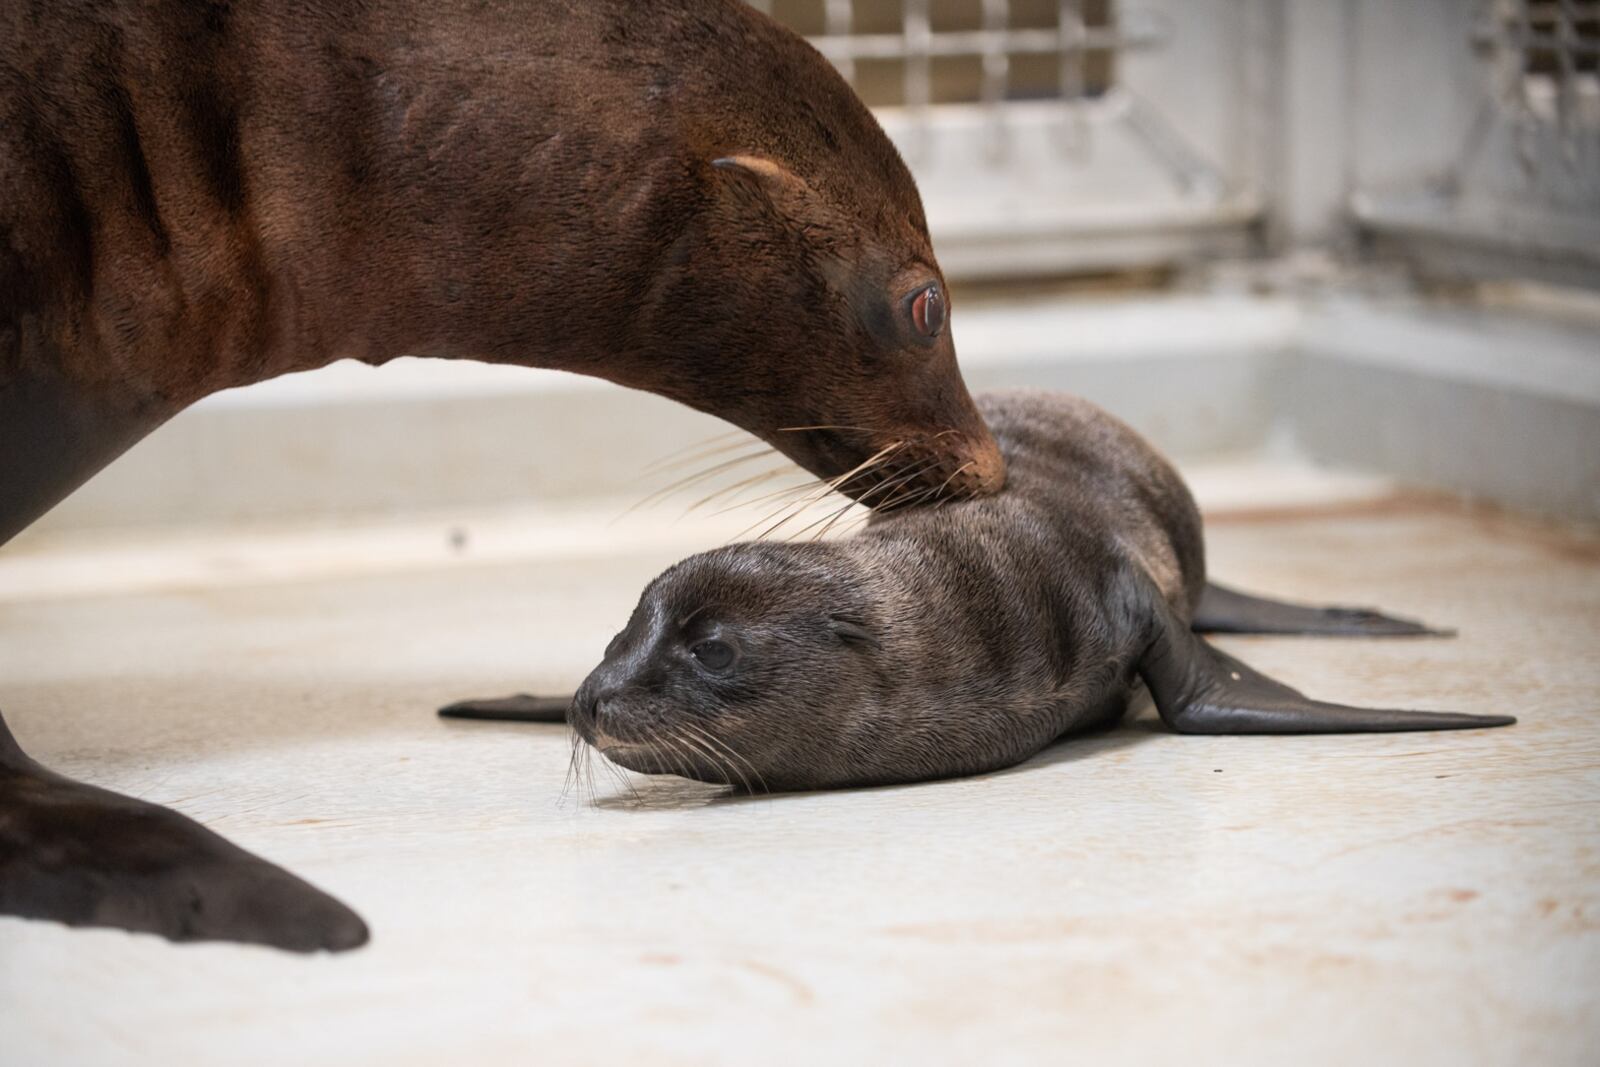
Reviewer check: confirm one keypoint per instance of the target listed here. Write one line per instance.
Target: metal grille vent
(917, 53)
(1030, 127)
(1554, 52)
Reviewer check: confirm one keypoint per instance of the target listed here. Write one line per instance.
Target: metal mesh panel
(1553, 47)
(918, 53)
(1035, 146)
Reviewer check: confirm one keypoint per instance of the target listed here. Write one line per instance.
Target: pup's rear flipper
(1228, 611)
(520, 708)
(1202, 690)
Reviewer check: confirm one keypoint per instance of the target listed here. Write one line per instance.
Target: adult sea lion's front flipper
(1228, 611)
(1203, 690)
(85, 856)
(522, 707)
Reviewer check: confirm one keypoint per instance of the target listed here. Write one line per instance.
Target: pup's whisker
(734, 755)
(706, 754)
(659, 749)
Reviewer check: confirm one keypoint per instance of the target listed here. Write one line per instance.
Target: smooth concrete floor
(1125, 898)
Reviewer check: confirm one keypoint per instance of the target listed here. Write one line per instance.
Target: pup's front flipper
(1228, 611)
(520, 708)
(86, 856)
(1203, 690)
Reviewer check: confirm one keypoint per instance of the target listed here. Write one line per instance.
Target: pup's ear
(852, 631)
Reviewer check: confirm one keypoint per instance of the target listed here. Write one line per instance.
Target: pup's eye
(927, 311)
(713, 655)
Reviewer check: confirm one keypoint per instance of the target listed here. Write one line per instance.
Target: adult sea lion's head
(797, 293)
(845, 355)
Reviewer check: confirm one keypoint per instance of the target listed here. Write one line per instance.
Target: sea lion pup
(959, 639)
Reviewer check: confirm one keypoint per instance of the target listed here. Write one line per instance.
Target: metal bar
(996, 73)
(1528, 39)
(1567, 79)
(838, 19)
(915, 45)
(1071, 38)
(979, 42)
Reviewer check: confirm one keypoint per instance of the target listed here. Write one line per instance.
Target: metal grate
(921, 53)
(1031, 130)
(1554, 48)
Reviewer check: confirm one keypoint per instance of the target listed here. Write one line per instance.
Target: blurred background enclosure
(1357, 234)
(1051, 135)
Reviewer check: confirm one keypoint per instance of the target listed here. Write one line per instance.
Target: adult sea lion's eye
(927, 311)
(713, 655)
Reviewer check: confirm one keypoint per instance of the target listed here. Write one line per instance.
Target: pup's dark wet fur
(957, 639)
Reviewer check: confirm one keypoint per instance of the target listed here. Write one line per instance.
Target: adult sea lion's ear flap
(761, 176)
(1202, 690)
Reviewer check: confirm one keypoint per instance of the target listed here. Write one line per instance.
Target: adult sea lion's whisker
(907, 496)
(834, 518)
(810, 485)
(711, 446)
(795, 510)
(819, 486)
(905, 500)
(968, 465)
(871, 508)
(898, 499)
(709, 472)
(737, 487)
(693, 463)
(807, 486)
(827, 518)
(889, 485)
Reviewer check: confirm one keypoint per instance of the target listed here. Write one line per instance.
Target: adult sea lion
(679, 196)
(957, 639)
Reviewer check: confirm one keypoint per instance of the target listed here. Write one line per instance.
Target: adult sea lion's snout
(906, 464)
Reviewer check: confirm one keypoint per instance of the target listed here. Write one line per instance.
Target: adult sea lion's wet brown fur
(680, 196)
(676, 195)
(951, 640)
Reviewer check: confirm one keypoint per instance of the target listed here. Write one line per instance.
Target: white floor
(1132, 897)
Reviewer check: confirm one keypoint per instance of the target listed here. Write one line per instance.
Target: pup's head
(753, 665)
